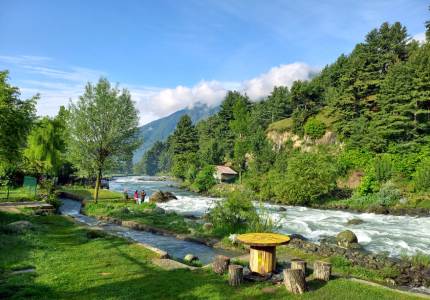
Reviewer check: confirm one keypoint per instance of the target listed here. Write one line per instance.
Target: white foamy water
(379, 233)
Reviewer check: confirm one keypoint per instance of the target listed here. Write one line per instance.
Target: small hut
(225, 174)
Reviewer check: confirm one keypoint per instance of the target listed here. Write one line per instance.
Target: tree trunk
(295, 281)
(220, 264)
(322, 270)
(298, 264)
(98, 179)
(235, 275)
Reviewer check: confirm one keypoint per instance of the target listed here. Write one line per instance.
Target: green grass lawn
(341, 266)
(71, 266)
(144, 214)
(88, 193)
(16, 195)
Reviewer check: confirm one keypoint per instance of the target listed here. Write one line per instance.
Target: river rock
(189, 258)
(281, 208)
(159, 210)
(160, 197)
(208, 226)
(355, 221)
(20, 226)
(346, 238)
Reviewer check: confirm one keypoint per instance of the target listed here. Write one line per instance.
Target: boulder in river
(281, 208)
(19, 226)
(189, 258)
(160, 197)
(355, 221)
(346, 239)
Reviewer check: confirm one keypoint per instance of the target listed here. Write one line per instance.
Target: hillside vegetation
(359, 131)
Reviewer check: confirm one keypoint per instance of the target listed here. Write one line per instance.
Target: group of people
(139, 200)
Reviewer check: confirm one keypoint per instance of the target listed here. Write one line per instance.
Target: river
(394, 235)
(174, 247)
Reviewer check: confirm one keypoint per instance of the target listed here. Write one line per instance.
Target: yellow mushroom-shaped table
(262, 255)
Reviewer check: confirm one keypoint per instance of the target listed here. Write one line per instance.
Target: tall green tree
(184, 146)
(16, 118)
(103, 130)
(240, 127)
(428, 29)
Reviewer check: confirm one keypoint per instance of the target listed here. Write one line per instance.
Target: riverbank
(419, 205)
(361, 264)
(57, 259)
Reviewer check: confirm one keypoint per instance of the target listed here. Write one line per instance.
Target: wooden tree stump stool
(220, 264)
(298, 264)
(235, 275)
(262, 254)
(295, 281)
(322, 270)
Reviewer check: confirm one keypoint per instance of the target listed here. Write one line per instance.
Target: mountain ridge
(160, 129)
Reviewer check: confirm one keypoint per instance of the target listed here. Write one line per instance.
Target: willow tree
(45, 145)
(102, 128)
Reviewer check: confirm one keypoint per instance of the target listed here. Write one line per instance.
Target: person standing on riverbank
(136, 196)
(143, 195)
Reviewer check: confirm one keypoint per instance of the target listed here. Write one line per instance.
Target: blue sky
(171, 54)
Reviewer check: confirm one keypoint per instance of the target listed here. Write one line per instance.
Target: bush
(388, 194)
(54, 201)
(422, 176)
(383, 166)
(353, 160)
(309, 176)
(237, 214)
(315, 128)
(204, 179)
(368, 185)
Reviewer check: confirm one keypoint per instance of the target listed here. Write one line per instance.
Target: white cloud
(420, 37)
(166, 101)
(284, 75)
(57, 86)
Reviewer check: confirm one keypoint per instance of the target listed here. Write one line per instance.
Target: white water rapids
(379, 233)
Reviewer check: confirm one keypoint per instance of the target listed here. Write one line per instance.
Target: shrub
(204, 179)
(388, 194)
(383, 166)
(368, 185)
(309, 176)
(314, 128)
(53, 200)
(353, 160)
(233, 214)
(422, 176)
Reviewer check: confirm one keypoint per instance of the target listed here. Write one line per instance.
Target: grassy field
(15, 195)
(88, 193)
(69, 265)
(144, 214)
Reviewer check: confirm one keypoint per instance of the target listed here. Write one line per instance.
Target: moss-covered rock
(346, 239)
(160, 197)
(355, 221)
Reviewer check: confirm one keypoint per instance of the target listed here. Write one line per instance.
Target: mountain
(160, 129)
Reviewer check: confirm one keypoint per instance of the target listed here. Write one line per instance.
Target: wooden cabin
(225, 174)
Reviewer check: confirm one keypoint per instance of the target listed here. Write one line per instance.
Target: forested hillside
(160, 129)
(373, 102)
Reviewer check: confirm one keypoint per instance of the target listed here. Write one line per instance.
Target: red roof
(225, 170)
